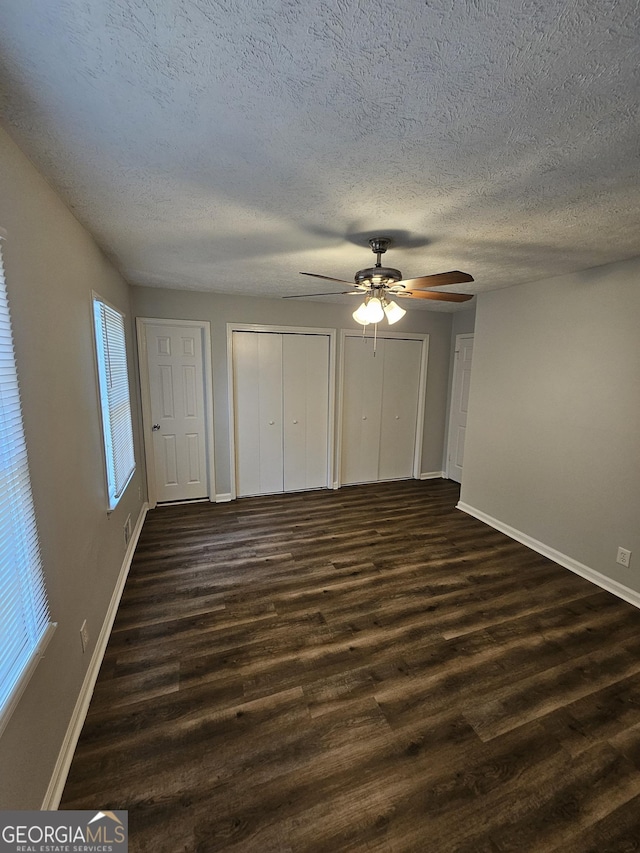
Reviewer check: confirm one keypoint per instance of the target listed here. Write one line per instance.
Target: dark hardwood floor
(361, 670)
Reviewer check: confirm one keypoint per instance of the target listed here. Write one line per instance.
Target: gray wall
(553, 436)
(463, 323)
(219, 309)
(52, 265)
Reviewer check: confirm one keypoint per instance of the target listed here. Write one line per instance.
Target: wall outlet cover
(624, 557)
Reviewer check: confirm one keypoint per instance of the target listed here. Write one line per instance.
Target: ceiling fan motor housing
(378, 276)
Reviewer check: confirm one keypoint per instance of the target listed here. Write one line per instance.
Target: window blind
(114, 397)
(24, 613)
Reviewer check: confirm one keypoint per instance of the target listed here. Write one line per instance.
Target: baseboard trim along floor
(610, 585)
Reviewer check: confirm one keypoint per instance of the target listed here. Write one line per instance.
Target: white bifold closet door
(281, 411)
(379, 409)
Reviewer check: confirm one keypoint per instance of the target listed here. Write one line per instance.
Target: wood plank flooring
(361, 670)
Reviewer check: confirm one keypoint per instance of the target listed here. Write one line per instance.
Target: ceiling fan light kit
(375, 308)
(378, 282)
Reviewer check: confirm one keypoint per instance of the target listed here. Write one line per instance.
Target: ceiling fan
(377, 283)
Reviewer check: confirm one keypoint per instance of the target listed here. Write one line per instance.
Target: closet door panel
(317, 420)
(361, 409)
(245, 392)
(270, 397)
(401, 378)
(257, 370)
(305, 372)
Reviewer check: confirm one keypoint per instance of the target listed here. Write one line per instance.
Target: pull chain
(375, 337)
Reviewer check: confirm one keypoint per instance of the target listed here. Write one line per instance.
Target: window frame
(115, 488)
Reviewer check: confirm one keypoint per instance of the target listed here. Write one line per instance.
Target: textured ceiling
(224, 145)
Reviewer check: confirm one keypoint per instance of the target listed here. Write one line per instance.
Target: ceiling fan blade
(328, 278)
(438, 280)
(434, 294)
(334, 293)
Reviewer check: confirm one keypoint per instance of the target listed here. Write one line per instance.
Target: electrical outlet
(84, 636)
(127, 530)
(624, 557)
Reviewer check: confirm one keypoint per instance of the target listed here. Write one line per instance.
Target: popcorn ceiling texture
(223, 145)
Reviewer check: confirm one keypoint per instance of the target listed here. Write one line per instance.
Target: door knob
(155, 427)
(295, 422)
(271, 423)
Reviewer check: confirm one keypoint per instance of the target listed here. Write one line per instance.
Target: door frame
(282, 330)
(145, 400)
(453, 390)
(422, 396)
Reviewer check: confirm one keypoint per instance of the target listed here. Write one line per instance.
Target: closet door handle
(271, 423)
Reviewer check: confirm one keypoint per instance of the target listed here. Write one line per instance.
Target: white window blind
(114, 397)
(24, 613)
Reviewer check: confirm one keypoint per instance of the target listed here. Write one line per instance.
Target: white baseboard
(604, 582)
(61, 771)
(433, 475)
(223, 497)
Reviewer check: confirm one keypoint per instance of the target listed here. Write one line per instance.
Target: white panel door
(257, 372)
(176, 388)
(459, 406)
(305, 373)
(400, 394)
(361, 409)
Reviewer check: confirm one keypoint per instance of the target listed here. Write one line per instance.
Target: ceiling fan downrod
(378, 275)
(379, 246)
